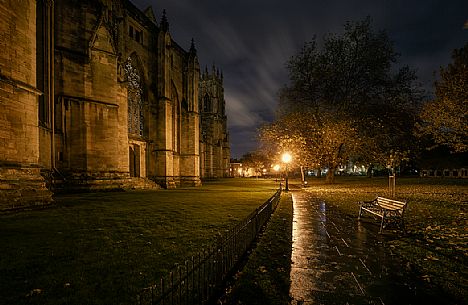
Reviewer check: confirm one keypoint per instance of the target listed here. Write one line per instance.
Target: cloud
(238, 112)
(251, 40)
(245, 141)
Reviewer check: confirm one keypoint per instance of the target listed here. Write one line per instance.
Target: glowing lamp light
(286, 157)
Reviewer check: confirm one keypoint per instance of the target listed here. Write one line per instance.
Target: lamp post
(286, 158)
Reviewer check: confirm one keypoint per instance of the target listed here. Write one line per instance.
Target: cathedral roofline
(139, 15)
(150, 14)
(193, 50)
(215, 74)
(164, 24)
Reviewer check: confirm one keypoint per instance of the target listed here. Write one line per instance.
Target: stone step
(85, 185)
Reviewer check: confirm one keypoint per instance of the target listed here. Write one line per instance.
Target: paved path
(338, 260)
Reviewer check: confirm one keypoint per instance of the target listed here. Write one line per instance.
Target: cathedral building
(96, 95)
(214, 139)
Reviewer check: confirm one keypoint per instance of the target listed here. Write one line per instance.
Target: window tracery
(135, 99)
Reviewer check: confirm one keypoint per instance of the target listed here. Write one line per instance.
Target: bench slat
(390, 207)
(390, 203)
(399, 206)
(374, 212)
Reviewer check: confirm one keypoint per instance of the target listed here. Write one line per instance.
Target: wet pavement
(337, 259)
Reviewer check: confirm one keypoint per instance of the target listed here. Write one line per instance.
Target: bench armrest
(368, 203)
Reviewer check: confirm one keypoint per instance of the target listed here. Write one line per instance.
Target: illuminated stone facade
(95, 94)
(214, 139)
(20, 180)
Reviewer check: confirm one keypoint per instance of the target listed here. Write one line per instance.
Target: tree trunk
(370, 171)
(319, 173)
(302, 174)
(331, 175)
(332, 165)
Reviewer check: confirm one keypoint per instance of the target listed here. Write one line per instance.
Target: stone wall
(176, 140)
(20, 180)
(214, 141)
(91, 105)
(72, 126)
(91, 84)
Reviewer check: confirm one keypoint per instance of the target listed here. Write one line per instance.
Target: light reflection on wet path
(336, 260)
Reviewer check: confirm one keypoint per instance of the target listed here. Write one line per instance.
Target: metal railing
(199, 279)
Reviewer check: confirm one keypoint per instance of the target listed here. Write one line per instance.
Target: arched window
(135, 99)
(176, 119)
(207, 103)
(223, 108)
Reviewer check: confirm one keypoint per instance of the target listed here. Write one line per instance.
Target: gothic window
(135, 99)
(176, 120)
(135, 34)
(206, 103)
(42, 65)
(223, 108)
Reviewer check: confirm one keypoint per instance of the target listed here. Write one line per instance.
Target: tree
(349, 86)
(327, 144)
(445, 117)
(255, 161)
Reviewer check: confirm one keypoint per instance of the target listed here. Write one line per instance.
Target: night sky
(251, 40)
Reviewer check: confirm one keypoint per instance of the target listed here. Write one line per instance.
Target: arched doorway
(134, 160)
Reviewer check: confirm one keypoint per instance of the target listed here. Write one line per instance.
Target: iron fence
(198, 279)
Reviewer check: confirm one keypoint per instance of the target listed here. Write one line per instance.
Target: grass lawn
(102, 248)
(436, 243)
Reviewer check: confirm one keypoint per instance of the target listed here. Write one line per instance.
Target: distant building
(235, 170)
(440, 164)
(445, 172)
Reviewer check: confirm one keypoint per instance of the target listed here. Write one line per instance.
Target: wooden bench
(391, 211)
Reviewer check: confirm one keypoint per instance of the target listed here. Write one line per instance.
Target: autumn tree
(256, 161)
(445, 118)
(349, 86)
(313, 145)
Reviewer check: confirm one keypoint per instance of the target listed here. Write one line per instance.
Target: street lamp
(286, 158)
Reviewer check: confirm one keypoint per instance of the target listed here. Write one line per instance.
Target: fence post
(171, 276)
(256, 221)
(162, 290)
